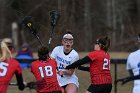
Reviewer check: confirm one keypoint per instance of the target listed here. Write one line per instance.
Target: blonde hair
(5, 52)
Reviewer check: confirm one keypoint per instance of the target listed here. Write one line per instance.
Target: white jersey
(63, 61)
(133, 63)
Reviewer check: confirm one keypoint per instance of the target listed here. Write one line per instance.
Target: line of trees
(86, 19)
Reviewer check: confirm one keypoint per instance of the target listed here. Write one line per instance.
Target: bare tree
(87, 19)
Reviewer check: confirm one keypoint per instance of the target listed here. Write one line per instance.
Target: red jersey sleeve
(34, 66)
(18, 69)
(31, 67)
(92, 55)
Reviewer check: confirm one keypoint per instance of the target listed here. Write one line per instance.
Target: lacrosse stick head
(31, 26)
(28, 23)
(54, 17)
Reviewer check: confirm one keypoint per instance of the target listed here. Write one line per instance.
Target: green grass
(84, 78)
(84, 81)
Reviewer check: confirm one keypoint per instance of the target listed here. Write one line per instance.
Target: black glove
(31, 85)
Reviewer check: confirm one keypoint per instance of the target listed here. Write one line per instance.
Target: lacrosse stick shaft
(39, 40)
(54, 19)
(13, 84)
(51, 36)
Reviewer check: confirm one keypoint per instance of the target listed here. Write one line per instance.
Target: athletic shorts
(52, 92)
(64, 86)
(102, 88)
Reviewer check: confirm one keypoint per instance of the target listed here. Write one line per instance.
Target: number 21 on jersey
(47, 69)
(106, 64)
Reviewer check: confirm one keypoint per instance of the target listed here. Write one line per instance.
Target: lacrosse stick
(54, 19)
(13, 84)
(30, 26)
(30, 85)
(127, 79)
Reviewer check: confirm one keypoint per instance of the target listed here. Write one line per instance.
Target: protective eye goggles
(97, 43)
(67, 40)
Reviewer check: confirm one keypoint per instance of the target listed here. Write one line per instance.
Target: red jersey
(45, 74)
(100, 67)
(7, 69)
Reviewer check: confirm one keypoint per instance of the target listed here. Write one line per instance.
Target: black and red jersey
(7, 70)
(100, 67)
(45, 74)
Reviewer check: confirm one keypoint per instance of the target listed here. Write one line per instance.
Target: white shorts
(136, 89)
(67, 80)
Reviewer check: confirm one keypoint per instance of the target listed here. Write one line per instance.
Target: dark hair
(43, 53)
(138, 38)
(104, 43)
(68, 32)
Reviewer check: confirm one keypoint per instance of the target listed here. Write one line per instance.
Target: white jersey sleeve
(133, 62)
(128, 66)
(54, 52)
(76, 57)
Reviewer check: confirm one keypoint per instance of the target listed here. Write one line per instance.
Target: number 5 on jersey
(3, 68)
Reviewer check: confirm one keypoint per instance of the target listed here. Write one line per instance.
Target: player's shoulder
(53, 61)
(74, 52)
(35, 62)
(137, 52)
(94, 52)
(58, 47)
(99, 52)
(14, 60)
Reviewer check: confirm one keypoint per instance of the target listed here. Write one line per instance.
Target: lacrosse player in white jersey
(133, 66)
(64, 56)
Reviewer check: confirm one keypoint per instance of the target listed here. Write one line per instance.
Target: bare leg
(88, 92)
(71, 88)
(63, 90)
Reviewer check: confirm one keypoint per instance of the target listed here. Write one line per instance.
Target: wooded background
(86, 19)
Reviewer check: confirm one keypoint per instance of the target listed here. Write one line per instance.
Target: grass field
(84, 80)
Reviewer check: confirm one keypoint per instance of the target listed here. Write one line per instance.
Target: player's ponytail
(107, 43)
(104, 43)
(5, 52)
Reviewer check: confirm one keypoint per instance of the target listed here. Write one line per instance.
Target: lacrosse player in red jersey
(8, 67)
(101, 80)
(45, 70)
